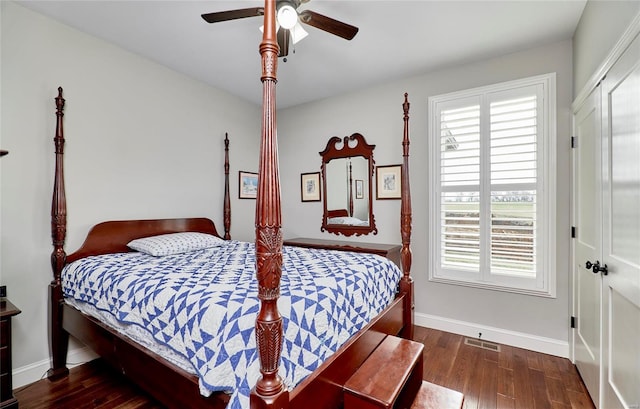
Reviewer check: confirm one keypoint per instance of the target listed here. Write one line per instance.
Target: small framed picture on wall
(388, 182)
(247, 185)
(359, 189)
(310, 187)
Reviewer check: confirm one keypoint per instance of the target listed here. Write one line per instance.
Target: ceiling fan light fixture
(298, 33)
(287, 16)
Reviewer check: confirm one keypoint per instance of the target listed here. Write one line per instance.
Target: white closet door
(621, 231)
(587, 196)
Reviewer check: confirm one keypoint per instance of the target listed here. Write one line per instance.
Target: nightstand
(7, 311)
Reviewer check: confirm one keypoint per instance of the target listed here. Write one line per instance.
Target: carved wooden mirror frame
(348, 147)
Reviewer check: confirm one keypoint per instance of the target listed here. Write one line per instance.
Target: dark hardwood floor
(512, 378)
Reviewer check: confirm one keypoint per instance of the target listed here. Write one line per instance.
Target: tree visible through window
(491, 205)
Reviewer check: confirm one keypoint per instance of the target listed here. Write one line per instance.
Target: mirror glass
(347, 194)
(347, 170)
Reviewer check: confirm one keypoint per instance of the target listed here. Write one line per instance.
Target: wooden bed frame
(171, 385)
(337, 213)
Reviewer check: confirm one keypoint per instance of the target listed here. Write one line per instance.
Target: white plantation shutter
(488, 201)
(514, 182)
(460, 181)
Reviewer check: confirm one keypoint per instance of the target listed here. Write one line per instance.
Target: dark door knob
(596, 267)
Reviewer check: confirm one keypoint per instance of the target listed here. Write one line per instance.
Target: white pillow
(174, 243)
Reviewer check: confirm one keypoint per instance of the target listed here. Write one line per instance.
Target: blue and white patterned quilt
(203, 305)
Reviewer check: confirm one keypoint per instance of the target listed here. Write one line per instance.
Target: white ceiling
(396, 39)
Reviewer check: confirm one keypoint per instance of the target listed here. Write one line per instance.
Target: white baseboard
(38, 370)
(502, 336)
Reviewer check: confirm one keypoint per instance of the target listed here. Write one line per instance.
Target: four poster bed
(284, 357)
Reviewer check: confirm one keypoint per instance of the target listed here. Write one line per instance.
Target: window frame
(544, 284)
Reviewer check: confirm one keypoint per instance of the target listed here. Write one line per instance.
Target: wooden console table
(390, 251)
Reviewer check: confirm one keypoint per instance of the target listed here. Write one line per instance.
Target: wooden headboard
(113, 236)
(337, 213)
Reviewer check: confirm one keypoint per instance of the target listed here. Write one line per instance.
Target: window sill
(545, 293)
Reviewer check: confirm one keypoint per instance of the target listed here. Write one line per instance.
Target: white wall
(142, 142)
(601, 25)
(377, 114)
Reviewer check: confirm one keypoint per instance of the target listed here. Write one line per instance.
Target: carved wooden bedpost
(269, 391)
(227, 199)
(59, 337)
(406, 284)
(350, 189)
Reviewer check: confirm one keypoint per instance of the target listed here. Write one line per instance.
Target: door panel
(621, 231)
(625, 168)
(624, 374)
(587, 219)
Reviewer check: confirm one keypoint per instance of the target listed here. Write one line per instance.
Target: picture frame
(247, 185)
(359, 189)
(388, 182)
(310, 189)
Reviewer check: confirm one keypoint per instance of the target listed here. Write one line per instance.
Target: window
(492, 187)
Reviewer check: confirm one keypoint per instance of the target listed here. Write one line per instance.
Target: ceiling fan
(288, 19)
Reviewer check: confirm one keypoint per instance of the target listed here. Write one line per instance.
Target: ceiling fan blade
(284, 37)
(233, 14)
(328, 24)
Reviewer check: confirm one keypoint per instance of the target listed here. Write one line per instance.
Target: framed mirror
(347, 172)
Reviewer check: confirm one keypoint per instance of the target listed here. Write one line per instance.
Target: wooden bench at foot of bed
(391, 378)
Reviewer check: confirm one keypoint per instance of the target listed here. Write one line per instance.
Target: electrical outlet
(3, 290)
